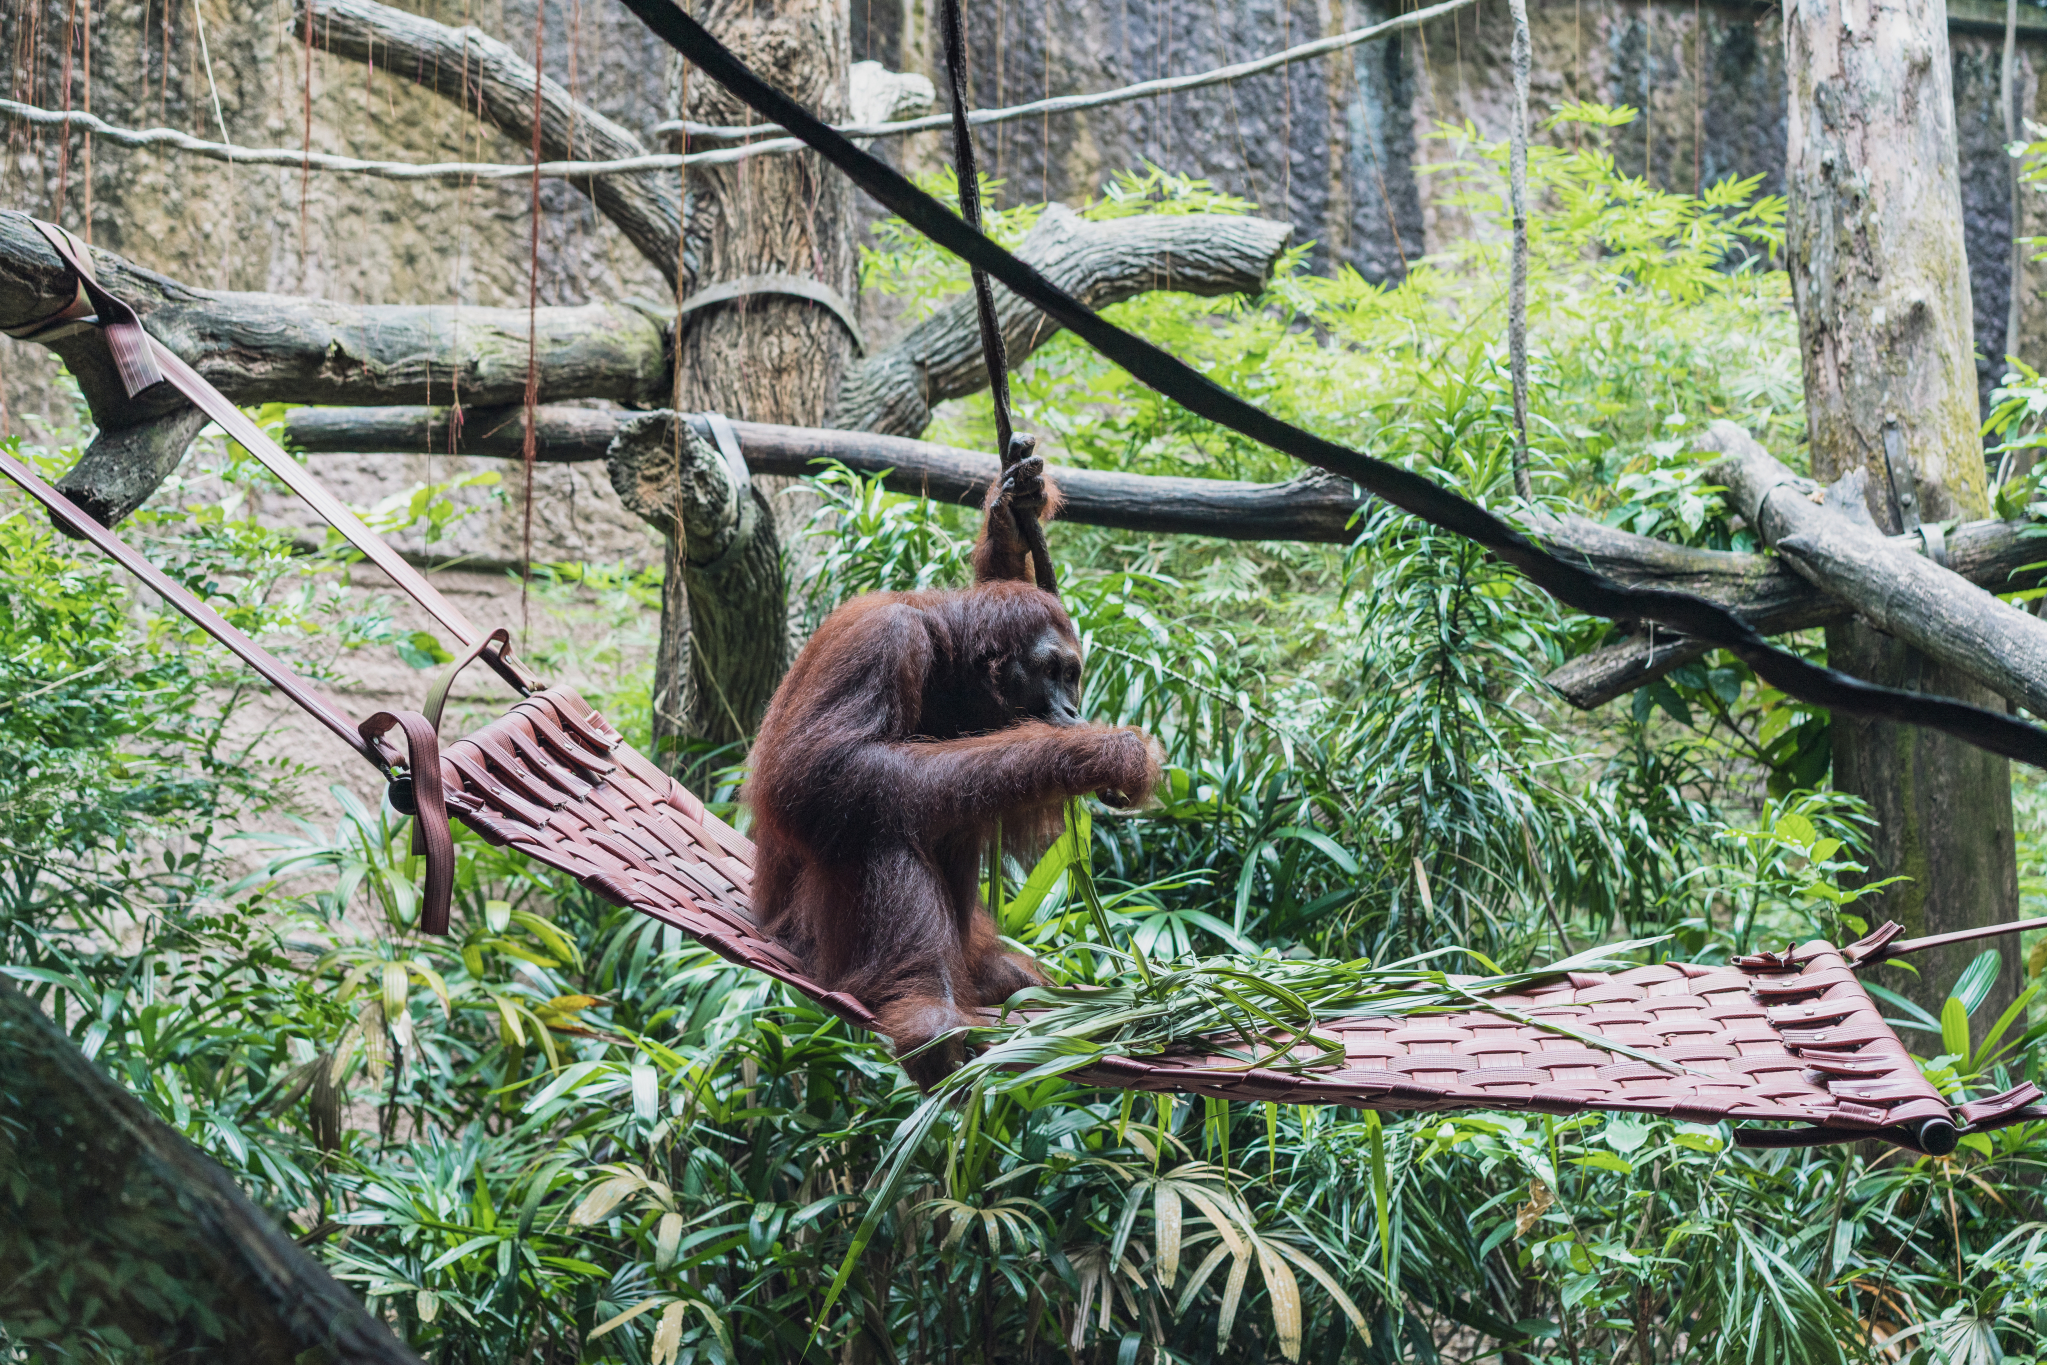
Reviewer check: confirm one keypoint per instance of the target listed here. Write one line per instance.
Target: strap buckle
(416, 791)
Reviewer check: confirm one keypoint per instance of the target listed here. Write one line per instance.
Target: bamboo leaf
(1977, 980)
(1200, 1277)
(2012, 1013)
(1285, 1293)
(396, 981)
(1380, 1210)
(668, 1334)
(599, 1202)
(665, 1239)
(1224, 1225)
(1329, 1286)
(1954, 1026)
(1166, 1212)
(1233, 1294)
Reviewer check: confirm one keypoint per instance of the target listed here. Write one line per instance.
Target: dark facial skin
(1042, 682)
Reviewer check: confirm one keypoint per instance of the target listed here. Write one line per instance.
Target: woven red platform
(1790, 1037)
(1805, 1045)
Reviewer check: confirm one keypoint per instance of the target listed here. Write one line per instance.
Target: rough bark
(1901, 594)
(562, 435)
(123, 1240)
(1098, 263)
(260, 348)
(1880, 278)
(469, 65)
(731, 560)
(761, 357)
(1314, 507)
(1995, 555)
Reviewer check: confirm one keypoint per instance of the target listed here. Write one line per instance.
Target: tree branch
(118, 1232)
(1764, 589)
(1100, 263)
(1902, 594)
(1314, 507)
(469, 66)
(260, 348)
(732, 568)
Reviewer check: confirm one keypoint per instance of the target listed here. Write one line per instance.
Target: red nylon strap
(336, 513)
(1901, 947)
(207, 619)
(125, 337)
(143, 361)
(430, 832)
(431, 837)
(494, 649)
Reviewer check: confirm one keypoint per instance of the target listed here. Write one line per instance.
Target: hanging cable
(994, 351)
(528, 449)
(1517, 287)
(2007, 90)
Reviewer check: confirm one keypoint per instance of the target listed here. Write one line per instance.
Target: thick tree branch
(259, 348)
(732, 567)
(1100, 263)
(469, 66)
(1313, 507)
(1994, 555)
(117, 1234)
(1904, 595)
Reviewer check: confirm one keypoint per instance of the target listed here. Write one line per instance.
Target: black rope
(994, 350)
(1574, 583)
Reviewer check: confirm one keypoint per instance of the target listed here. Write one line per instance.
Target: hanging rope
(1572, 582)
(994, 351)
(528, 448)
(85, 38)
(1517, 288)
(64, 97)
(2007, 90)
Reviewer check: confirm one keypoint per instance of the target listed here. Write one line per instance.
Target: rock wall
(1339, 146)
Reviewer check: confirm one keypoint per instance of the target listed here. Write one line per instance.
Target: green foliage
(563, 1132)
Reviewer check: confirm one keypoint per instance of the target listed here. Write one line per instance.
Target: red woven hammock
(1787, 1037)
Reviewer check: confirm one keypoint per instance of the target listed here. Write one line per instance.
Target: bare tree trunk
(763, 357)
(730, 587)
(1881, 281)
(1098, 263)
(123, 1241)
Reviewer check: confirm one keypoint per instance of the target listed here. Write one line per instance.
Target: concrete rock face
(1339, 146)
(354, 239)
